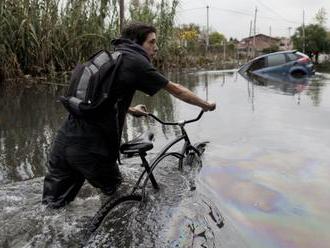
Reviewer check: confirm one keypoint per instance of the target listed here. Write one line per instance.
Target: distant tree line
(313, 38)
(191, 43)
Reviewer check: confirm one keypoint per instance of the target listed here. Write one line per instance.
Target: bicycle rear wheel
(105, 209)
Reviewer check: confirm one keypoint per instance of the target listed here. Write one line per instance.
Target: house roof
(262, 42)
(259, 36)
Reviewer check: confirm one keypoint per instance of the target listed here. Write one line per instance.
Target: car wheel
(298, 73)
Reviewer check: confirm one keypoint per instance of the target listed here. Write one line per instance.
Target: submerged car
(292, 63)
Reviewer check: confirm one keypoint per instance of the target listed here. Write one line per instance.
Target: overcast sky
(232, 17)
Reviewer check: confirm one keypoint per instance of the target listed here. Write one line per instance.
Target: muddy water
(265, 168)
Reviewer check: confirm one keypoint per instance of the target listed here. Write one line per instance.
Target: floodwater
(265, 168)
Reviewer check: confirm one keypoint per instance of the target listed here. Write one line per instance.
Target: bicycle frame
(186, 148)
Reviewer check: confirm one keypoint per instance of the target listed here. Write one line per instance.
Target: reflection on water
(287, 84)
(28, 120)
(266, 164)
(269, 160)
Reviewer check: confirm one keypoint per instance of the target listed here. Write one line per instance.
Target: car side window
(258, 64)
(276, 59)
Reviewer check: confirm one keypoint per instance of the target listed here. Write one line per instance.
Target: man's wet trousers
(70, 163)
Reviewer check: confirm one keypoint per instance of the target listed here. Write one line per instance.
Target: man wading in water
(88, 148)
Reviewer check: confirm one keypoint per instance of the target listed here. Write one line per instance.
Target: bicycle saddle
(142, 143)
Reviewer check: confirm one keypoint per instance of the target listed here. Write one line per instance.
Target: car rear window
(276, 59)
(292, 56)
(301, 55)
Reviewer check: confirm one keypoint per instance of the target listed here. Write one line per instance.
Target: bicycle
(140, 146)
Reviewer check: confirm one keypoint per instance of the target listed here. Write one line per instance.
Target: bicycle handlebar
(176, 123)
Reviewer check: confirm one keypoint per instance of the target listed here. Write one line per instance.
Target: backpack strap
(117, 58)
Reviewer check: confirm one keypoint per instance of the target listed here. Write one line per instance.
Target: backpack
(90, 84)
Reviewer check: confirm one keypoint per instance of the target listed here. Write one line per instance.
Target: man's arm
(187, 96)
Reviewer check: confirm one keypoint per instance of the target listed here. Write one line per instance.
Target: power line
(233, 11)
(251, 15)
(277, 19)
(220, 9)
(282, 21)
(273, 11)
(239, 13)
(185, 10)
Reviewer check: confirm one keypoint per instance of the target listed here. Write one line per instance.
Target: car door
(257, 64)
(276, 63)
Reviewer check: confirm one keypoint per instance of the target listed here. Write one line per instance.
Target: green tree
(216, 39)
(188, 35)
(271, 49)
(191, 27)
(321, 17)
(316, 40)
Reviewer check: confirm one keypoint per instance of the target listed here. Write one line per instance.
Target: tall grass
(40, 37)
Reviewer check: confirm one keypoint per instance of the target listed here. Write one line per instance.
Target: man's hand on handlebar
(209, 106)
(138, 110)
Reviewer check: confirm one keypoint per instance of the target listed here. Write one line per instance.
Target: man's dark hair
(137, 32)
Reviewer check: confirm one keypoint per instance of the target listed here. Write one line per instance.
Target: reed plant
(43, 37)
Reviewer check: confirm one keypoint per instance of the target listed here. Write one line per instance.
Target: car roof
(268, 54)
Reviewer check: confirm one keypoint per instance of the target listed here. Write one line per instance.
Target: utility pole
(224, 50)
(207, 28)
(249, 42)
(289, 40)
(206, 86)
(121, 15)
(254, 28)
(270, 31)
(289, 28)
(304, 43)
